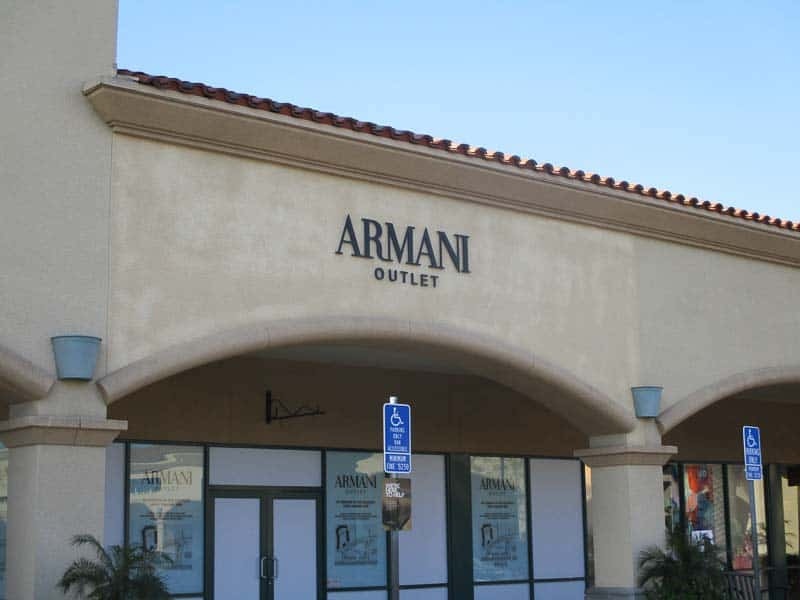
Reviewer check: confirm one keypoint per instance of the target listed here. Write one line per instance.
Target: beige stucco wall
(705, 316)
(715, 433)
(55, 162)
(204, 242)
(225, 403)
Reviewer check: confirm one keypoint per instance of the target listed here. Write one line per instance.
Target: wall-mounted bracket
(276, 410)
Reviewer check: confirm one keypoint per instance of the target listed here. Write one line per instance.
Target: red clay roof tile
(326, 118)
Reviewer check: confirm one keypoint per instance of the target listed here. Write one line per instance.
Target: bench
(741, 586)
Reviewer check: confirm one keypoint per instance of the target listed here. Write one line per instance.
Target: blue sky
(698, 97)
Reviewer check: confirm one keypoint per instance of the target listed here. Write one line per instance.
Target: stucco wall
(203, 242)
(224, 403)
(705, 316)
(715, 433)
(55, 168)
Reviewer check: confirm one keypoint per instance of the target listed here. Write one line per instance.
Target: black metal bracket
(278, 411)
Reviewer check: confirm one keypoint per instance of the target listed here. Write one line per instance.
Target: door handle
(263, 562)
(275, 568)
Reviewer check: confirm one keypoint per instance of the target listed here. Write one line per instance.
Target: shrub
(119, 573)
(685, 570)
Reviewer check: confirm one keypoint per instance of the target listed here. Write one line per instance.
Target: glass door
(265, 544)
(237, 548)
(295, 572)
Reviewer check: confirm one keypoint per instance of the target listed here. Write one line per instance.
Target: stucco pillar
(627, 510)
(56, 485)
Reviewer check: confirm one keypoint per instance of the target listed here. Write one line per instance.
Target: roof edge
(254, 102)
(193, 120)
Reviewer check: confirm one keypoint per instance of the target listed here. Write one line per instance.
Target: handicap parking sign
(751, 442)
(396, 438)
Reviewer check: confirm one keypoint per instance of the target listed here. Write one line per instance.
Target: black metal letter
(455, 254)
(399, 249)
(351, 238)
(370, 238)
(426, 248)
(463, 239)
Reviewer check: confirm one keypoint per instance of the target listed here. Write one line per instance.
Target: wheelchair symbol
(395, 419)
(751, 440)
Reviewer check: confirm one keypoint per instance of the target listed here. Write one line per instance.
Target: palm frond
(118, 573)
(82, 574)
(685, 569)
(94, 544)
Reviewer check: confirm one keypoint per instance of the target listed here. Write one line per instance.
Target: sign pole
(753, 470)
(394, 548)
(754, 533)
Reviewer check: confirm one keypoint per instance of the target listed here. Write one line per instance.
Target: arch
(557, 389)
(729, 386)
(20, 379)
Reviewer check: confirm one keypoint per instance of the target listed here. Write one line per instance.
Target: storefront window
(356, 541)
(740, 523)
(791, 524)
(3, 516)
(587, 474)
(499, 519)
(791, 516)
(705, 504)
(423, 549)
(166, 510)
(672, 497)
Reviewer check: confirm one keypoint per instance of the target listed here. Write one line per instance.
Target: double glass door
(265, 544)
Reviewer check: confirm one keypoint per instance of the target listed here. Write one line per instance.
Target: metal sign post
(396, 459)
(753, 470)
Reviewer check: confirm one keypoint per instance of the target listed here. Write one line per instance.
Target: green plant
(119, 573)
(685, 570)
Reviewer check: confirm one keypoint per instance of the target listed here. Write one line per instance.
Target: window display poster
(397, 504)
(3, 515)
(700, 482)
(356, 542)
(672, 502)
(499, 519)
(166, 510)
(741, 527)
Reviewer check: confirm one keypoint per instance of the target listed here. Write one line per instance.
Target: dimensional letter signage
(396, 438)
(437, 251)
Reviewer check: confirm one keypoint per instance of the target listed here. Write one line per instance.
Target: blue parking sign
(751, 442)
(396, 438)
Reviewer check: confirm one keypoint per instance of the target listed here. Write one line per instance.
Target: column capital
(60, 430)
(611, 456)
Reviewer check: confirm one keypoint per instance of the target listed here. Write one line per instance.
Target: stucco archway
(587, 408)
(730, 386)
(20, 379)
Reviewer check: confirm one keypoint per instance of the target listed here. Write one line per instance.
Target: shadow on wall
(224, 402)
(715, 433)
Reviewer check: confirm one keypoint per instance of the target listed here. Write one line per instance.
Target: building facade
(244, 261)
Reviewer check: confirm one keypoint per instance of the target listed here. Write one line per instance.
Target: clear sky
(698, 97)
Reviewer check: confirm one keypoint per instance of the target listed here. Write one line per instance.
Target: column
(56, 484)
(627, 510)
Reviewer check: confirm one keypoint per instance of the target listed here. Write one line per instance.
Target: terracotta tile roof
(309, 114)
